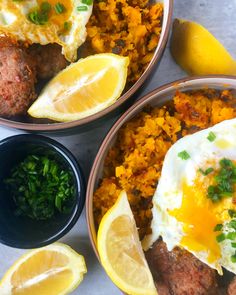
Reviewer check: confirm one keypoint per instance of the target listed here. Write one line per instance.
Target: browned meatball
(17, 78)
(232, 287)
(49, 60)
(180, 273)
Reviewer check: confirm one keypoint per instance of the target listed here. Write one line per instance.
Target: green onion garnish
(211, 136)
(207, 171)
(40, 16)
(82, 8)
(67, 25)
(184, 155)
(218, 227)
(233, 245)
(220, 238)
(88, 2)
(232, 224)
(231, 236)
(233, 258)
(59, 8)
(45, 7)
(40, 188)
(225, 179)
(232, 213)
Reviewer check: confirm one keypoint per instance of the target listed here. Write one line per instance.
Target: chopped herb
(67, 25)
(225, 179)
(213, 194)
(211, 136)
(233, 245)
(45, 7)
(232, 224)
(218, 227)
(233, 258)
(82, 8)
(207, 171)
(232, 213)
(40, 16)
(231, 236)
(220, 238)
(40, 188)
(88, 2)
(60, 8)
(184, 155)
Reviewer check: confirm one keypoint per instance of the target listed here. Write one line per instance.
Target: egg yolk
(200, 215)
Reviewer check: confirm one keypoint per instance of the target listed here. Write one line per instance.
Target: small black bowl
(25, 232)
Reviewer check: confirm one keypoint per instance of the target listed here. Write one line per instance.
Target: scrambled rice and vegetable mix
(126, 27)
(135, 162)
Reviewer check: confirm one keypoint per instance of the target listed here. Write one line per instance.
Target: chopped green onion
(207, 171)
(218, 227)
(45, 7)
(220, 238)
(232, 224)
(211, 136)
(231, 236)
(82, 8)
(233, 245)
(232, 213)
(67, 25)
(233, 258)
(88, 2)
(60, 8)
(184, 155)
(40, 187)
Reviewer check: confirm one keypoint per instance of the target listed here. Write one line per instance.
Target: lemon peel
(198, 52)
(83, 88)
(52, 270)
(121, 252)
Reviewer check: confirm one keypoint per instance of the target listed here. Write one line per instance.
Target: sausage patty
(48, 59)
(17, 78)
(232, 287)
(180, 273)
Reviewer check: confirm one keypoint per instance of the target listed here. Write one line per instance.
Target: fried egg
(186, 212)
(43, 22)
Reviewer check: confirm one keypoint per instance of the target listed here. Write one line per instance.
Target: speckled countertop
(216, 15)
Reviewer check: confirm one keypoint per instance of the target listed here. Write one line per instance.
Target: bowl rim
(79, 184)
(133, 110)
(128, 94)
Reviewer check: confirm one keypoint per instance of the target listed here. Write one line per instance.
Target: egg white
(168, 195)
(14, 22)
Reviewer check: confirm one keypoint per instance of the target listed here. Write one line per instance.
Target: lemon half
(52, 270)
(83, 88)
(121, 252)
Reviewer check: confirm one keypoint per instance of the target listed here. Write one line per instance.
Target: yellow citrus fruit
(198, 52)
(52, 270)
(83, 88)
(121, 252)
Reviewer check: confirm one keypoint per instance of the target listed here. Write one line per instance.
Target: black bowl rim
(125, 97)
(80, 185)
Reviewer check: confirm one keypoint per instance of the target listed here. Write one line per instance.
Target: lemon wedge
(52, 270)
(121, 252)
(83, 88)
(198, 52)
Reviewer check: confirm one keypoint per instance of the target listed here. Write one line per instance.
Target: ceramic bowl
(25, 232)
(156, 98)
(42, 125)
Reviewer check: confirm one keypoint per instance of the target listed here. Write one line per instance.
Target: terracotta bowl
(42, 125)
(156, 98)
